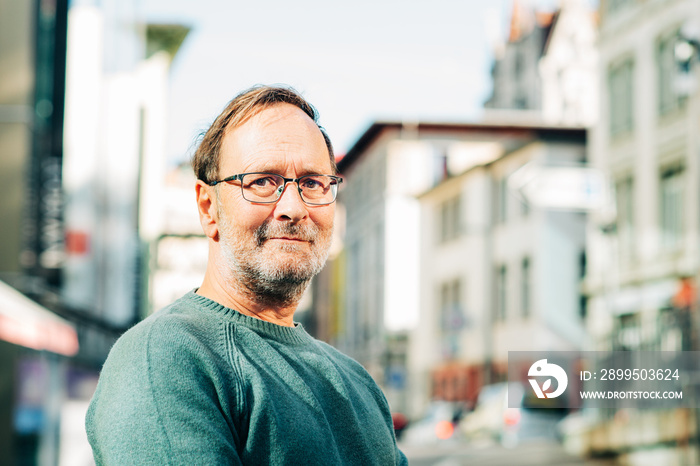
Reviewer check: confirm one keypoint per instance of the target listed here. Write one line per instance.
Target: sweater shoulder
(163, 392)
(338, 355)
(179, 326)
(354, 367)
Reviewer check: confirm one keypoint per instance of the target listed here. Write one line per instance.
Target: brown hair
(248, 103)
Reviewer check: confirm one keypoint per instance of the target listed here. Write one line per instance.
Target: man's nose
(290, 206)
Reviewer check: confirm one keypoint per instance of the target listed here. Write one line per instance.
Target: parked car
(439, 425)
(400, 423)
(493, 419)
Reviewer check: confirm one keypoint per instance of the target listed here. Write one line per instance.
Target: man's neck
(235, 295)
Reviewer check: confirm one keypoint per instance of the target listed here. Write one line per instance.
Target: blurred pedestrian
(224, 375)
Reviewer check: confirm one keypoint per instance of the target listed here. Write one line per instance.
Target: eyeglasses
(266, 188)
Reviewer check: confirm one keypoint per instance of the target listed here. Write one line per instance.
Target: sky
(357, 62)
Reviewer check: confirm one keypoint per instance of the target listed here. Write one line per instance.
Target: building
(643, 263)
(497, 273)
(414, 262)
(114, 165)
(517, 83)
(178, 247)
(646, 139)
(82, 115)
(35, 343)
(545, 71)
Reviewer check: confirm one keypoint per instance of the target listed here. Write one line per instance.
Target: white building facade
(643, 261)
(497, 274)
(422, 247)
(114, 159)
(647, 140)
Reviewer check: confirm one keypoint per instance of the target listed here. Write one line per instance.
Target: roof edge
(378, 127)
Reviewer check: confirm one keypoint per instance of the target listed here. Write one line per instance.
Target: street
(535, 453)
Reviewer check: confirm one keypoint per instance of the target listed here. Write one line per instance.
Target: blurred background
(519, 176)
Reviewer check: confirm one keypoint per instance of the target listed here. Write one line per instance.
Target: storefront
(35, 377)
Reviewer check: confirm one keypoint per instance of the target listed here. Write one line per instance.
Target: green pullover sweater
(200, 384)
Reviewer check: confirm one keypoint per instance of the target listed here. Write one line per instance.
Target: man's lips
(297, 240)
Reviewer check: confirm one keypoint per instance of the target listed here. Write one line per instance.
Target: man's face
(274, 249)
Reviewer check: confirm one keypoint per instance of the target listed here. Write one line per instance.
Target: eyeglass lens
(265, 187)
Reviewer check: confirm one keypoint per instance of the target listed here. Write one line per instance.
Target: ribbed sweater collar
(289, 335)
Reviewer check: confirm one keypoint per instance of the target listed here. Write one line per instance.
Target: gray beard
(258, 276)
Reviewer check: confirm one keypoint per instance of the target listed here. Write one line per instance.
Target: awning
(24, 322)
(650, 295)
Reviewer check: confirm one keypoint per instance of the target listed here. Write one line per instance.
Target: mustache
(267, 230)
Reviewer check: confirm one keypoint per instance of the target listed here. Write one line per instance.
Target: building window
(621, 97)
(520, 102)
(669, 99)
(582, 271)
(441, 170)
(451, 317)
(624, 197)
(671, 207)
(525, 287)
(627, 333)
(501, 293)
(501, 209)
(450, 219)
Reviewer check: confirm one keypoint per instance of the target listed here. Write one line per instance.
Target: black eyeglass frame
(239, 177)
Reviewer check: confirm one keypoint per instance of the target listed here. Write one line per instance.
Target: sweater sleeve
(158, 402)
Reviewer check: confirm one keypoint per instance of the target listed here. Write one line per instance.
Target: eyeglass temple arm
(230, 178)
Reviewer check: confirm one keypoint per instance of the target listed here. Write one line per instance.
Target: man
(224, 375)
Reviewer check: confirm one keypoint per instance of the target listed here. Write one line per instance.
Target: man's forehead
(273, 134)
(270, 117)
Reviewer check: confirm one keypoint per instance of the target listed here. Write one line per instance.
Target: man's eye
(264, 181)
(310, 183)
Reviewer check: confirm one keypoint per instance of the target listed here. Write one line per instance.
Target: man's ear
(207, 206)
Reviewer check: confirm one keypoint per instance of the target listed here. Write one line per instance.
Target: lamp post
(685, 51)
